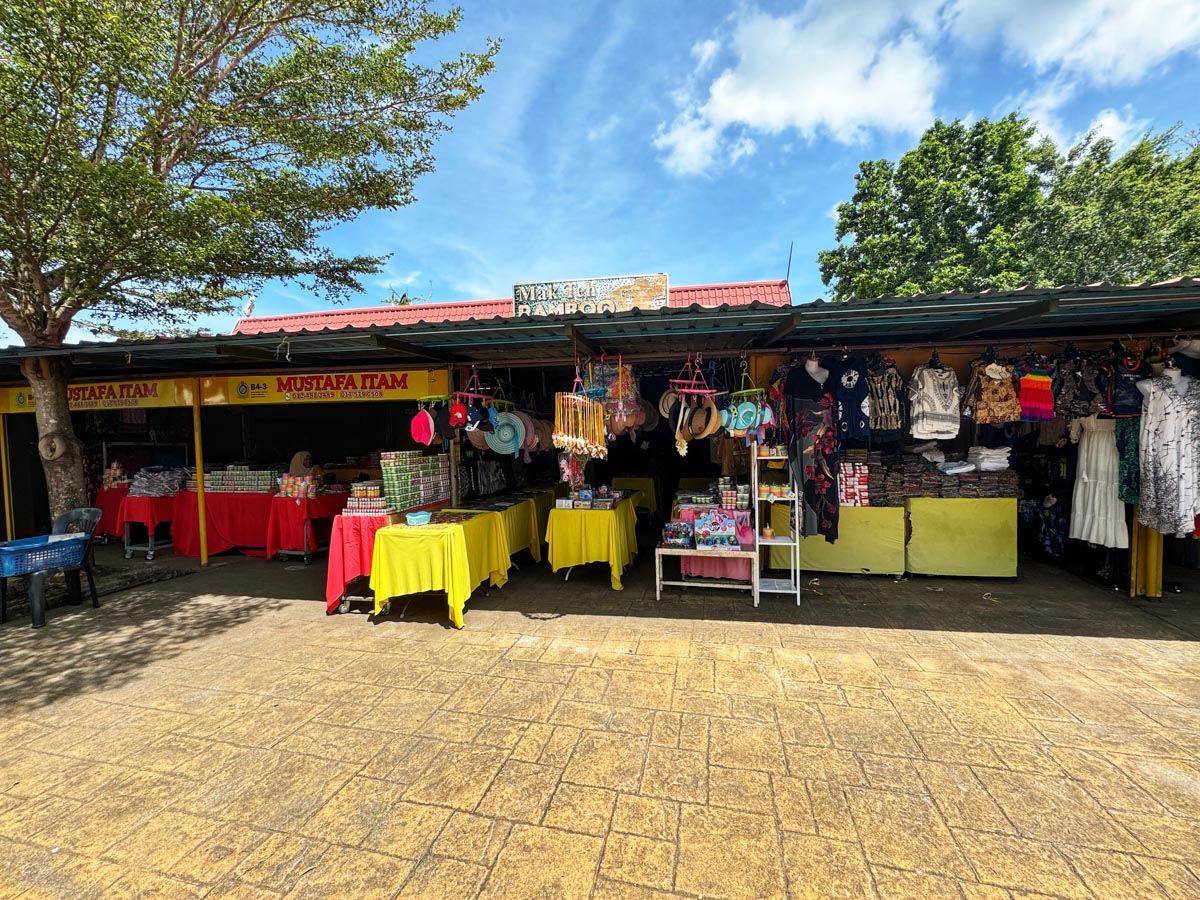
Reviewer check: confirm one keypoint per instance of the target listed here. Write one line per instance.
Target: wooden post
(198, 438)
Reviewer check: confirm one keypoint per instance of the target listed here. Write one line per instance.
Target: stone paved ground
(212, 737)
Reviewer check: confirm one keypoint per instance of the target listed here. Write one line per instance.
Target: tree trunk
(60, 450)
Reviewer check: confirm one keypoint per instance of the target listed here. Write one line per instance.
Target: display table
(290, 526)
(578, 536)
(150, 512)
(235, 521)
(109, 503)
(351, 550)
(870, 542)
(723, 560)
(733, 566)
(453, 557)
(967, 536)
(646, 485)
(521, 527)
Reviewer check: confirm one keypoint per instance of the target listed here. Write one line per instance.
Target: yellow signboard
(325, 387)
(108, 395)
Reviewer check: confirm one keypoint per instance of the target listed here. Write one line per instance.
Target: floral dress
(813, 452)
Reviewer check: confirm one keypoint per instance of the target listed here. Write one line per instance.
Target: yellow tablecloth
(648, 486)
(454, 558)
(974, 537)
(521, 527)
(870, 542)
(578, 536)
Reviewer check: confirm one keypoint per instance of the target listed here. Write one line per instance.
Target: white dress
(1169, 450)
(1097, 513)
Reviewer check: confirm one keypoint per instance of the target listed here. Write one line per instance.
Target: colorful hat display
(441, 423)
(458, 414)
(474, 418)
(478, 438)
(665, 402)
(508, 436)
(747, 417)
(422, 428)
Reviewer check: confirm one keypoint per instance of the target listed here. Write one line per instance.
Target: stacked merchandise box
(411, 479)
(367, 499)
(238, 480)
(854, 485)
(302, 486)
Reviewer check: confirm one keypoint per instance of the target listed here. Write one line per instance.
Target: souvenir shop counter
(236, 521)
(351, 553)
(578, 536)
(711, 565)
(454, 553)
(963, 536)
(648, 486)
(870, 542)
(109, 503)
(150, 512)
(290, 527)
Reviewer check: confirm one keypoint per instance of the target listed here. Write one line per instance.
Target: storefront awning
(1029, 314)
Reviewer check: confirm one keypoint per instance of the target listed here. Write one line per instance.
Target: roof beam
(256, 353)
(780, 331)
(580, 341)
(1026, 313)
(1176, 320)
(383, 342)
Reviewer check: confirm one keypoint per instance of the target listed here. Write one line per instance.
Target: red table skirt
(291, 517)
(235, 521)
(712, 567)
(109, 504)
(149, 511)
(351, 551)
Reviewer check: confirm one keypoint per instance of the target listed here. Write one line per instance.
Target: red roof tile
(743, 293)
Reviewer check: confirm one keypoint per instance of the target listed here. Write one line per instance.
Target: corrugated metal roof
(994, 317)
(773, 293)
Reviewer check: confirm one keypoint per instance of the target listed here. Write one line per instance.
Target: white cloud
(836, 69)
(743, 146)
(1121, 126)
(604, 129)
(705, 52)
(845, 70)
(1100, 41)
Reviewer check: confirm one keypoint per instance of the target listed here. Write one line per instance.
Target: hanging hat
(705, 420)
(458, 414)
(652, 415)
(766, 415)
(422, 428)
(530, 430)
(477, 438)
(493, 415)
(725, 419)
(747, 417)
(441, 423)
(508, 436)
(665, 402)
(714, 418)
(474, 417)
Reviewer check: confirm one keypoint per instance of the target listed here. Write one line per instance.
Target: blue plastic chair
(40, 556)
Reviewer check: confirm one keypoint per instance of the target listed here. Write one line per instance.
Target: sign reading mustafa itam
(325, 387)
(590, 295)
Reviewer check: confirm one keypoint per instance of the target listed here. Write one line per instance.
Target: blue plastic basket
(418, 518)
(39, 554)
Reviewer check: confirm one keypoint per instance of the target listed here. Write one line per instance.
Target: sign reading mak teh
(590, 295)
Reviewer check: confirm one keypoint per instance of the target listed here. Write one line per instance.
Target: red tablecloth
(292, 516)
(351, 551)
(149, 511)
(234, 521)
(711, 567)
(109, 504)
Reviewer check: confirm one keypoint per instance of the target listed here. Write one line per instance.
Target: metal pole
(200, 514)
(5, 478)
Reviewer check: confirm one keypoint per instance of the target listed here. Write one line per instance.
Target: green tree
(988, 205)
(159, 160)
(1122, 219)
(947, 216)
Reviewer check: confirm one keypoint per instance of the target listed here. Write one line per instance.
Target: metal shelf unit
(791, 584)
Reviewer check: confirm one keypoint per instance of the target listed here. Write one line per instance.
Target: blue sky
(701, 138)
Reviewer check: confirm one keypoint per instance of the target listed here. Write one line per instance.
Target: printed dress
(813, 452)
(1169, 445)
(886, 390)
(935, 397)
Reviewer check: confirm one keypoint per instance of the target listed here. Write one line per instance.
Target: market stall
(580, 536)
(233, 521)
(292, 528)
(453, 552)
